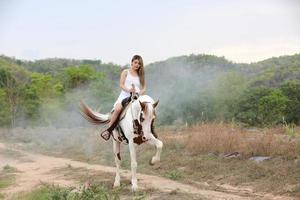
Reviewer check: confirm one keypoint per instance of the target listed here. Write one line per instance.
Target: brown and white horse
(140, 114)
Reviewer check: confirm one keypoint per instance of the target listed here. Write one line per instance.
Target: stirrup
(105, 135)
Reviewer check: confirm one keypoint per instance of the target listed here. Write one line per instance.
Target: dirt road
(36, 168)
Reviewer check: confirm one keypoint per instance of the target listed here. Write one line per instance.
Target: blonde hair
(141, 71)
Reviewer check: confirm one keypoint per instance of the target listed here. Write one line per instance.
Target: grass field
(194, 155)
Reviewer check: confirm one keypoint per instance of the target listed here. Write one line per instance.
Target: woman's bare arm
(122, 81)
(143, 90)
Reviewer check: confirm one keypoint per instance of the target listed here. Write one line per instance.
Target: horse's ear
(142, 105)
(155, 104)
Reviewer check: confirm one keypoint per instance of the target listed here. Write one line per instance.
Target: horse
(137, 126)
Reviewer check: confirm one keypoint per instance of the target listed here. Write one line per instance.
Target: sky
(115, 30)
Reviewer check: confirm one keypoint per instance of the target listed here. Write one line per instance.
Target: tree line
(191, 89)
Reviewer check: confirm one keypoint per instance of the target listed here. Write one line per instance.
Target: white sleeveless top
(130, 79)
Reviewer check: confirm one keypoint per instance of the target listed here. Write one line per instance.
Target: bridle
(137, 126)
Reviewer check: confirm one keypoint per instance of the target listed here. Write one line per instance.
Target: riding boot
(108, 132)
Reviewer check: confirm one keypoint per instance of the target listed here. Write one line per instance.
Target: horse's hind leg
(116, 147)
(159, 146)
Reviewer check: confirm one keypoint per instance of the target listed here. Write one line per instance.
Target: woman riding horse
(131, 81)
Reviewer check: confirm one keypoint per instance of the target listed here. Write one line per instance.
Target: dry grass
(196, 155)
(226, 138)
(190, 154)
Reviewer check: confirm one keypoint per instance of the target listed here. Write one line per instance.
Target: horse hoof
(150, 162)
(134, 188)
(116, 184)
(153, 161)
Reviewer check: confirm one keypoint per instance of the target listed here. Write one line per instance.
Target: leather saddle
(123, 112)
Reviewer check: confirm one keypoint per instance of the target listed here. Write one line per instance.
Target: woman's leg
(111, 125)
(115, 114)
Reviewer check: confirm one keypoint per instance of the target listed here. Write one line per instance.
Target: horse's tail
(92, 116)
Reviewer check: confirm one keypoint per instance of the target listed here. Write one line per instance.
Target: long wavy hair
(141, 71)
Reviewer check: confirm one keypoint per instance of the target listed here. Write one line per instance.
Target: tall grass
(227, 138)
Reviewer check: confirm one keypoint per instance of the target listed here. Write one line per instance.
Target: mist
(191, 89)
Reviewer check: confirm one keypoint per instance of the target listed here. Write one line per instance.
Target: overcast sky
(115, 30)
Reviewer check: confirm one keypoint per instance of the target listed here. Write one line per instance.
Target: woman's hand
(138, 91)
(132, 90)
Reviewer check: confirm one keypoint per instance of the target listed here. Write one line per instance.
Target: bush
(291, 89)
(271, 108)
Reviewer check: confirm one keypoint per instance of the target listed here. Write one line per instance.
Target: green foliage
(31, 102)
(6, 181)
(4, 111)
(77, 76)
(174, 175)
(6, 78)
(206, 88)
(8, 168)
(7, 176)
(248, 105)
(45, 86)
(271, 108)
(290, 129)
(264, 106)
(291, 89)
(53, 192)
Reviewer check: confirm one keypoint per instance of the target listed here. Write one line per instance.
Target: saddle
(137, 127)
(121, 136)
(122, 114)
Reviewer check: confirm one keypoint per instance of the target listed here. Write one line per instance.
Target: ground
(32, 170)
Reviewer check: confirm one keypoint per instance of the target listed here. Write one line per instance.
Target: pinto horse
(139, 116)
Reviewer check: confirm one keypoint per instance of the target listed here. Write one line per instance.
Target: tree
(227, 92)
(247, 107)
(291, 90)
(5, 117)
(272, 108)
(76, 76)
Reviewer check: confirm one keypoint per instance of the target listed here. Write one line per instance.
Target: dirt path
(36, 168)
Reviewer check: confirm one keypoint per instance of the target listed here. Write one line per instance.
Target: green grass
(290, 130)
(174, 175)
(41, 193)
(100, 192)
(53, 192)
(104, 179)
(6, 181)
(7, 178)
(209, 157)
(9, 169)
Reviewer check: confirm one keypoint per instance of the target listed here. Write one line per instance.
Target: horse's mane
(145, 99)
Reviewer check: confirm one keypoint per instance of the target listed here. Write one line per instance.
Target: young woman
(132, 80)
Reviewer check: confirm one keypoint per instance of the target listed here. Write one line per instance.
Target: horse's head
(145, 113)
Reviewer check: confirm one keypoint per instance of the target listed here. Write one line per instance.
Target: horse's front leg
(159, 146)
(133, 165)
(116, 147)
